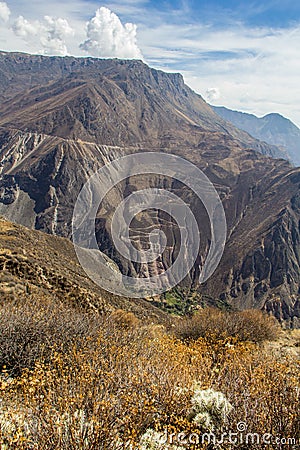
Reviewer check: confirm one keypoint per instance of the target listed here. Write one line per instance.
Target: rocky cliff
(71, 116)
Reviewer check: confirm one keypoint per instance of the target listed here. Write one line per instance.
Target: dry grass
(31, 330)
(103, 386)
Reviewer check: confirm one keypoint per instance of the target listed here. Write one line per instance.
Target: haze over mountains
(61, 119)
(272, 128)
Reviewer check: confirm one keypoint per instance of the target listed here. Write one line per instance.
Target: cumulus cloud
(107, 37)
(25, 29)
(58, 28)
(4, 12)
(212, 94)
(50, 33)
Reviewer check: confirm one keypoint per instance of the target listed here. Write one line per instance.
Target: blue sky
(241, 54)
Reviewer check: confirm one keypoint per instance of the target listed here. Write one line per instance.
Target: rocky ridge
(61, 126)
(272, 128)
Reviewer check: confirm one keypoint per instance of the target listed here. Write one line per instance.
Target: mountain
(36, 265)
(61, 119)
(110, 102)
(272, 128)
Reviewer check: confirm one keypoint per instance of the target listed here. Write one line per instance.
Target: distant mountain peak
(272, 128)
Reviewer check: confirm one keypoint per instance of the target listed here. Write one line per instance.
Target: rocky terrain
(110, 102)
(63, 118)
(272, 128)
(36, 265)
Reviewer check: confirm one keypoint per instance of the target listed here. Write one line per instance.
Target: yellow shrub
(108, 388)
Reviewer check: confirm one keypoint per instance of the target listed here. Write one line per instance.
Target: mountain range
(272, 128)
(61, 119)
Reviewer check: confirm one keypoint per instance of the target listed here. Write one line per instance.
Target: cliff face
(260, 268)
(110, 102)
(42, 176)
(71, 116)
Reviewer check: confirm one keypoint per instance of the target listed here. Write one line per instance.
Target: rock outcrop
(72, 116)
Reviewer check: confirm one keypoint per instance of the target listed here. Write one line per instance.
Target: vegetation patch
(84, 381)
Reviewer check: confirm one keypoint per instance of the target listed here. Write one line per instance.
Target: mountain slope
(104, 101)
(36, 264)
(272, 128)
(72, 116)
(261, 264)
(41, 187)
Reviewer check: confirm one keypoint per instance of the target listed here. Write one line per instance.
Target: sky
(244, 55)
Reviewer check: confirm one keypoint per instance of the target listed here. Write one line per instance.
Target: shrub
(30, 330)
(249, 325)
(209, 409)
(123, 319)
(255, 325)
(104, 385)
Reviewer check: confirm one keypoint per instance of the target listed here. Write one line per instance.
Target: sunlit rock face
(71, 116)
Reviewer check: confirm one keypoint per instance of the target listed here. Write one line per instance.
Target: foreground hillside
(37, 267)
(82, 369)
(71, 379)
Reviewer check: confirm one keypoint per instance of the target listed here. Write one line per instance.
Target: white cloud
(108, 37)
(4, 12)
(53, 46)
(58, 28)
(25, 29)
(255, 69)
(49, 34)
(212, 94)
